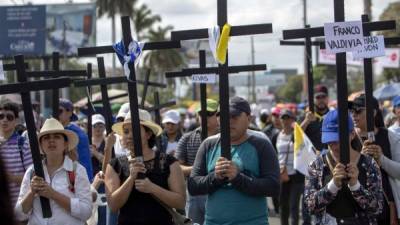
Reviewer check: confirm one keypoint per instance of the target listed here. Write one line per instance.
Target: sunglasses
(357, 110)
(99, 125)
(62, 110)
(210, 114)
(9, 117)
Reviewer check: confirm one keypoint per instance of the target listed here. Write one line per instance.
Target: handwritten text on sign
(343, 36)
(2, 77)
(203, 78)
(373, 46)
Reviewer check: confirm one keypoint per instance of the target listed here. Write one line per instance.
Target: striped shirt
(188, 146)
(15, 163)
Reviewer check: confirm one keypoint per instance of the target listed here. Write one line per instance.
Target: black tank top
(142, 208)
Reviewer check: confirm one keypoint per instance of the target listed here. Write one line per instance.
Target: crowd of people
(100, 181)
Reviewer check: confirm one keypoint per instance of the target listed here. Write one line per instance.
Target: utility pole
(305, 84)
(253, 73)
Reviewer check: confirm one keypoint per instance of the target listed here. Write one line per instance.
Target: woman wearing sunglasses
(386, 151)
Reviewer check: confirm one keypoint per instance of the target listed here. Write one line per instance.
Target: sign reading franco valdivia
(38, 30)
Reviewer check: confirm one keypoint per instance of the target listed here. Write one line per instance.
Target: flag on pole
(304, 151)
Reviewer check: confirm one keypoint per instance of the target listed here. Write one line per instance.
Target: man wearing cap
(396, 110)
(66, 116)
(172, 133)
(186, 154)
(236, 189)
(313, 121)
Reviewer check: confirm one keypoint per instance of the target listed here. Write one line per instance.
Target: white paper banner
(373, 46)
(343, 36)
(391, 59)
(2, 77)
(204, 78)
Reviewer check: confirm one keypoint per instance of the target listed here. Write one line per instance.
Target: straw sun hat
(145, 120)
(53, 126)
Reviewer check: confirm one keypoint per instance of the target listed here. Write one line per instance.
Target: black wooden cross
(103, 82)
(24, 87)
(341, 70)
(203, 86)
(132, 89)
(222, 17)
(368, 83)
(90, 107)
(307, 43)
(56, 72)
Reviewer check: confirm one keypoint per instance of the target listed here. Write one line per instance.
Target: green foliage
(291, 91)
(392, 12)
(322, 73)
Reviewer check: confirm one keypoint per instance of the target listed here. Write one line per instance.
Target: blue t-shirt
(83, 149)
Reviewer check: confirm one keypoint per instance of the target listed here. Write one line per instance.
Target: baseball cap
(320, 90)
(98, 118)
(171, 116)
(212, 106)
(67, 104)
(330, 127)
(237, 105)
(123, 110)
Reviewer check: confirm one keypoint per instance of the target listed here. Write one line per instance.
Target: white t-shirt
(171, 147)
(118, 149)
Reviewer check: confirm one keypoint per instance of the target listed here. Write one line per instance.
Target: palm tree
(111, 8)
(161, 61)
(143, 19)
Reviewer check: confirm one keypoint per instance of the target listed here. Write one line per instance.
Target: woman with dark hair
(143, 201)
(66, 184)
(385, 150)
(6, 210)
(338, 194)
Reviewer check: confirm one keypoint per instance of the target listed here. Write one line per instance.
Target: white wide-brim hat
(145, 120)
(53, 126)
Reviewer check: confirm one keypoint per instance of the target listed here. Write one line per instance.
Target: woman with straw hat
(66, 183)
(138, 200)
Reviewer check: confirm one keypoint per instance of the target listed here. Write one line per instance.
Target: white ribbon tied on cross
(213, 38)
(133, 55)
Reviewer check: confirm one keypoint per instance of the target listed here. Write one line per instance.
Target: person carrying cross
(313, 121)
(343, 194)
(66, 183)
(236, 188)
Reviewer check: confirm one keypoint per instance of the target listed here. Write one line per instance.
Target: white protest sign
(204, 78)
(2, 77)
(373, 46)
(330, 58)
(343, 36)
(391, 59)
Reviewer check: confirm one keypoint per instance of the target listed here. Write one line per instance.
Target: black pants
(289, 203)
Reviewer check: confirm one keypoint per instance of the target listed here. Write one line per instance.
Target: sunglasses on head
(357, 110)
(9, 117)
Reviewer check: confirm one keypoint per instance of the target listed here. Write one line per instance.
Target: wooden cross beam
(132, 89)
(54, 73)
(222, 18)
(341, 69)
(203, 92)
(368, 83)
(12, 66)
(24, 87)
(307, 43)
(91, 109)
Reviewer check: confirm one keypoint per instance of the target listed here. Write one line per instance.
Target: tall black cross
(103, 82)
(307, 43)
(222, 17)
(368, 83)
(341, 70)
(203, 86)
(24, 87)
(90, 107)
(54, 73)
(132, 89)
